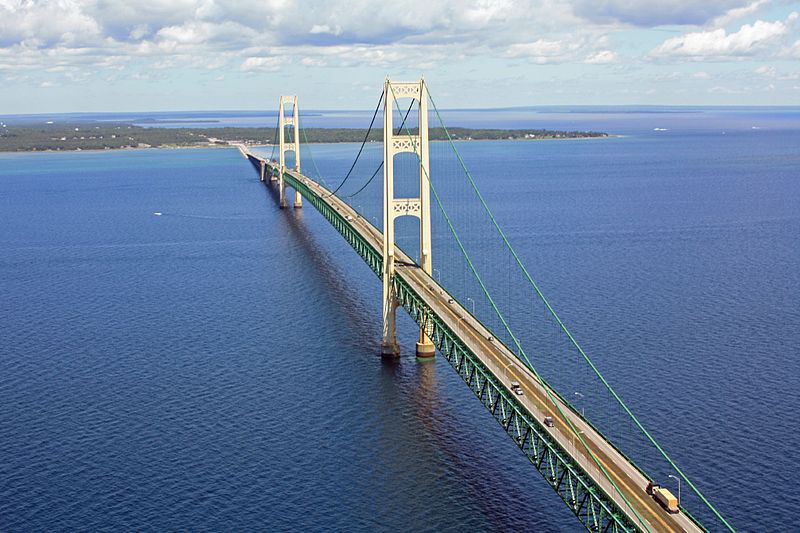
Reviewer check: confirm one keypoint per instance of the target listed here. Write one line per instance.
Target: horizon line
(343, 110)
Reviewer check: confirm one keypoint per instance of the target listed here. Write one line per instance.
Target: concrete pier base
(283, 204)
(390, 350)
(426, 351)
(298, 205)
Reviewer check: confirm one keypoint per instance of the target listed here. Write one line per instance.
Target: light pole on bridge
(579, 395)
(506, 367)
(461, 320)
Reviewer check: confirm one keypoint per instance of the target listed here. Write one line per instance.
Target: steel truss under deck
(588, 501)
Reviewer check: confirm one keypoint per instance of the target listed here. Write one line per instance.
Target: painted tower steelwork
(284, 147)
(398, 207)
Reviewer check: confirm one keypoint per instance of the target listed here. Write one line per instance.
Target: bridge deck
(507, 368)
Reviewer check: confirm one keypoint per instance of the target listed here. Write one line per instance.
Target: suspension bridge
(499, 347)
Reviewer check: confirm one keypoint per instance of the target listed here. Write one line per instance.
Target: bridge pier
(426, 350)
(298, 200)
(389, 347)
(282, 191)
(390, 350)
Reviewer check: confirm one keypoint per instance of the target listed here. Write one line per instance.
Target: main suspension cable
(275, 137)
(380, 166)
(361, 149)
(310, 153)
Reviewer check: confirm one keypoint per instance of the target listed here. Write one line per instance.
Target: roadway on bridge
(507, 368)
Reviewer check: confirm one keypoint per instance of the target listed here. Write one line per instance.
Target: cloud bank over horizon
(86, 54)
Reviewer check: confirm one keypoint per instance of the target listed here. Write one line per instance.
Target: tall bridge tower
(286, 147)
(398, 207)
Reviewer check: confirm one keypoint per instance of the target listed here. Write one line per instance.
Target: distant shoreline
(233, 145)
(94, 136)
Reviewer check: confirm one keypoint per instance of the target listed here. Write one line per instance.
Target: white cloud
(681, 76)
(580, 47)
(738, 13)
(794, 51)
(187, 33)
(48, 21)
(766, 71)
(719, 89)
(85, 40)
(324, 28)
(647, 13)
(312, 62)
(139, 31)
(267, 64)
(344, 31)
(538, 48)
(602, 57)
(771, 72)
(716, 44)
(119, 18)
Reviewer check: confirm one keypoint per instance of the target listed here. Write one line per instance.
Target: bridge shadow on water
(325, 268)
(477, 453)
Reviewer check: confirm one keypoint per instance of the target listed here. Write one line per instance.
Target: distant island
(121, 135)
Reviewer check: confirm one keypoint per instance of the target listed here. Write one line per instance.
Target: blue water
(215, 367)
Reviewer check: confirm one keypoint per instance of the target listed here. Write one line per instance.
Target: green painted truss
(590, 504)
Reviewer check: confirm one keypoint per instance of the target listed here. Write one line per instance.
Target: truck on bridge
(664, 497)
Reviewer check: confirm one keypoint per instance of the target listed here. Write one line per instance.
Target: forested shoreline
(118, 135)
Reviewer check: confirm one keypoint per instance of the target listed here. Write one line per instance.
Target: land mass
(119, 135)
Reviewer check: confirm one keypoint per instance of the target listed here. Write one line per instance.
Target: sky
(176, 55)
